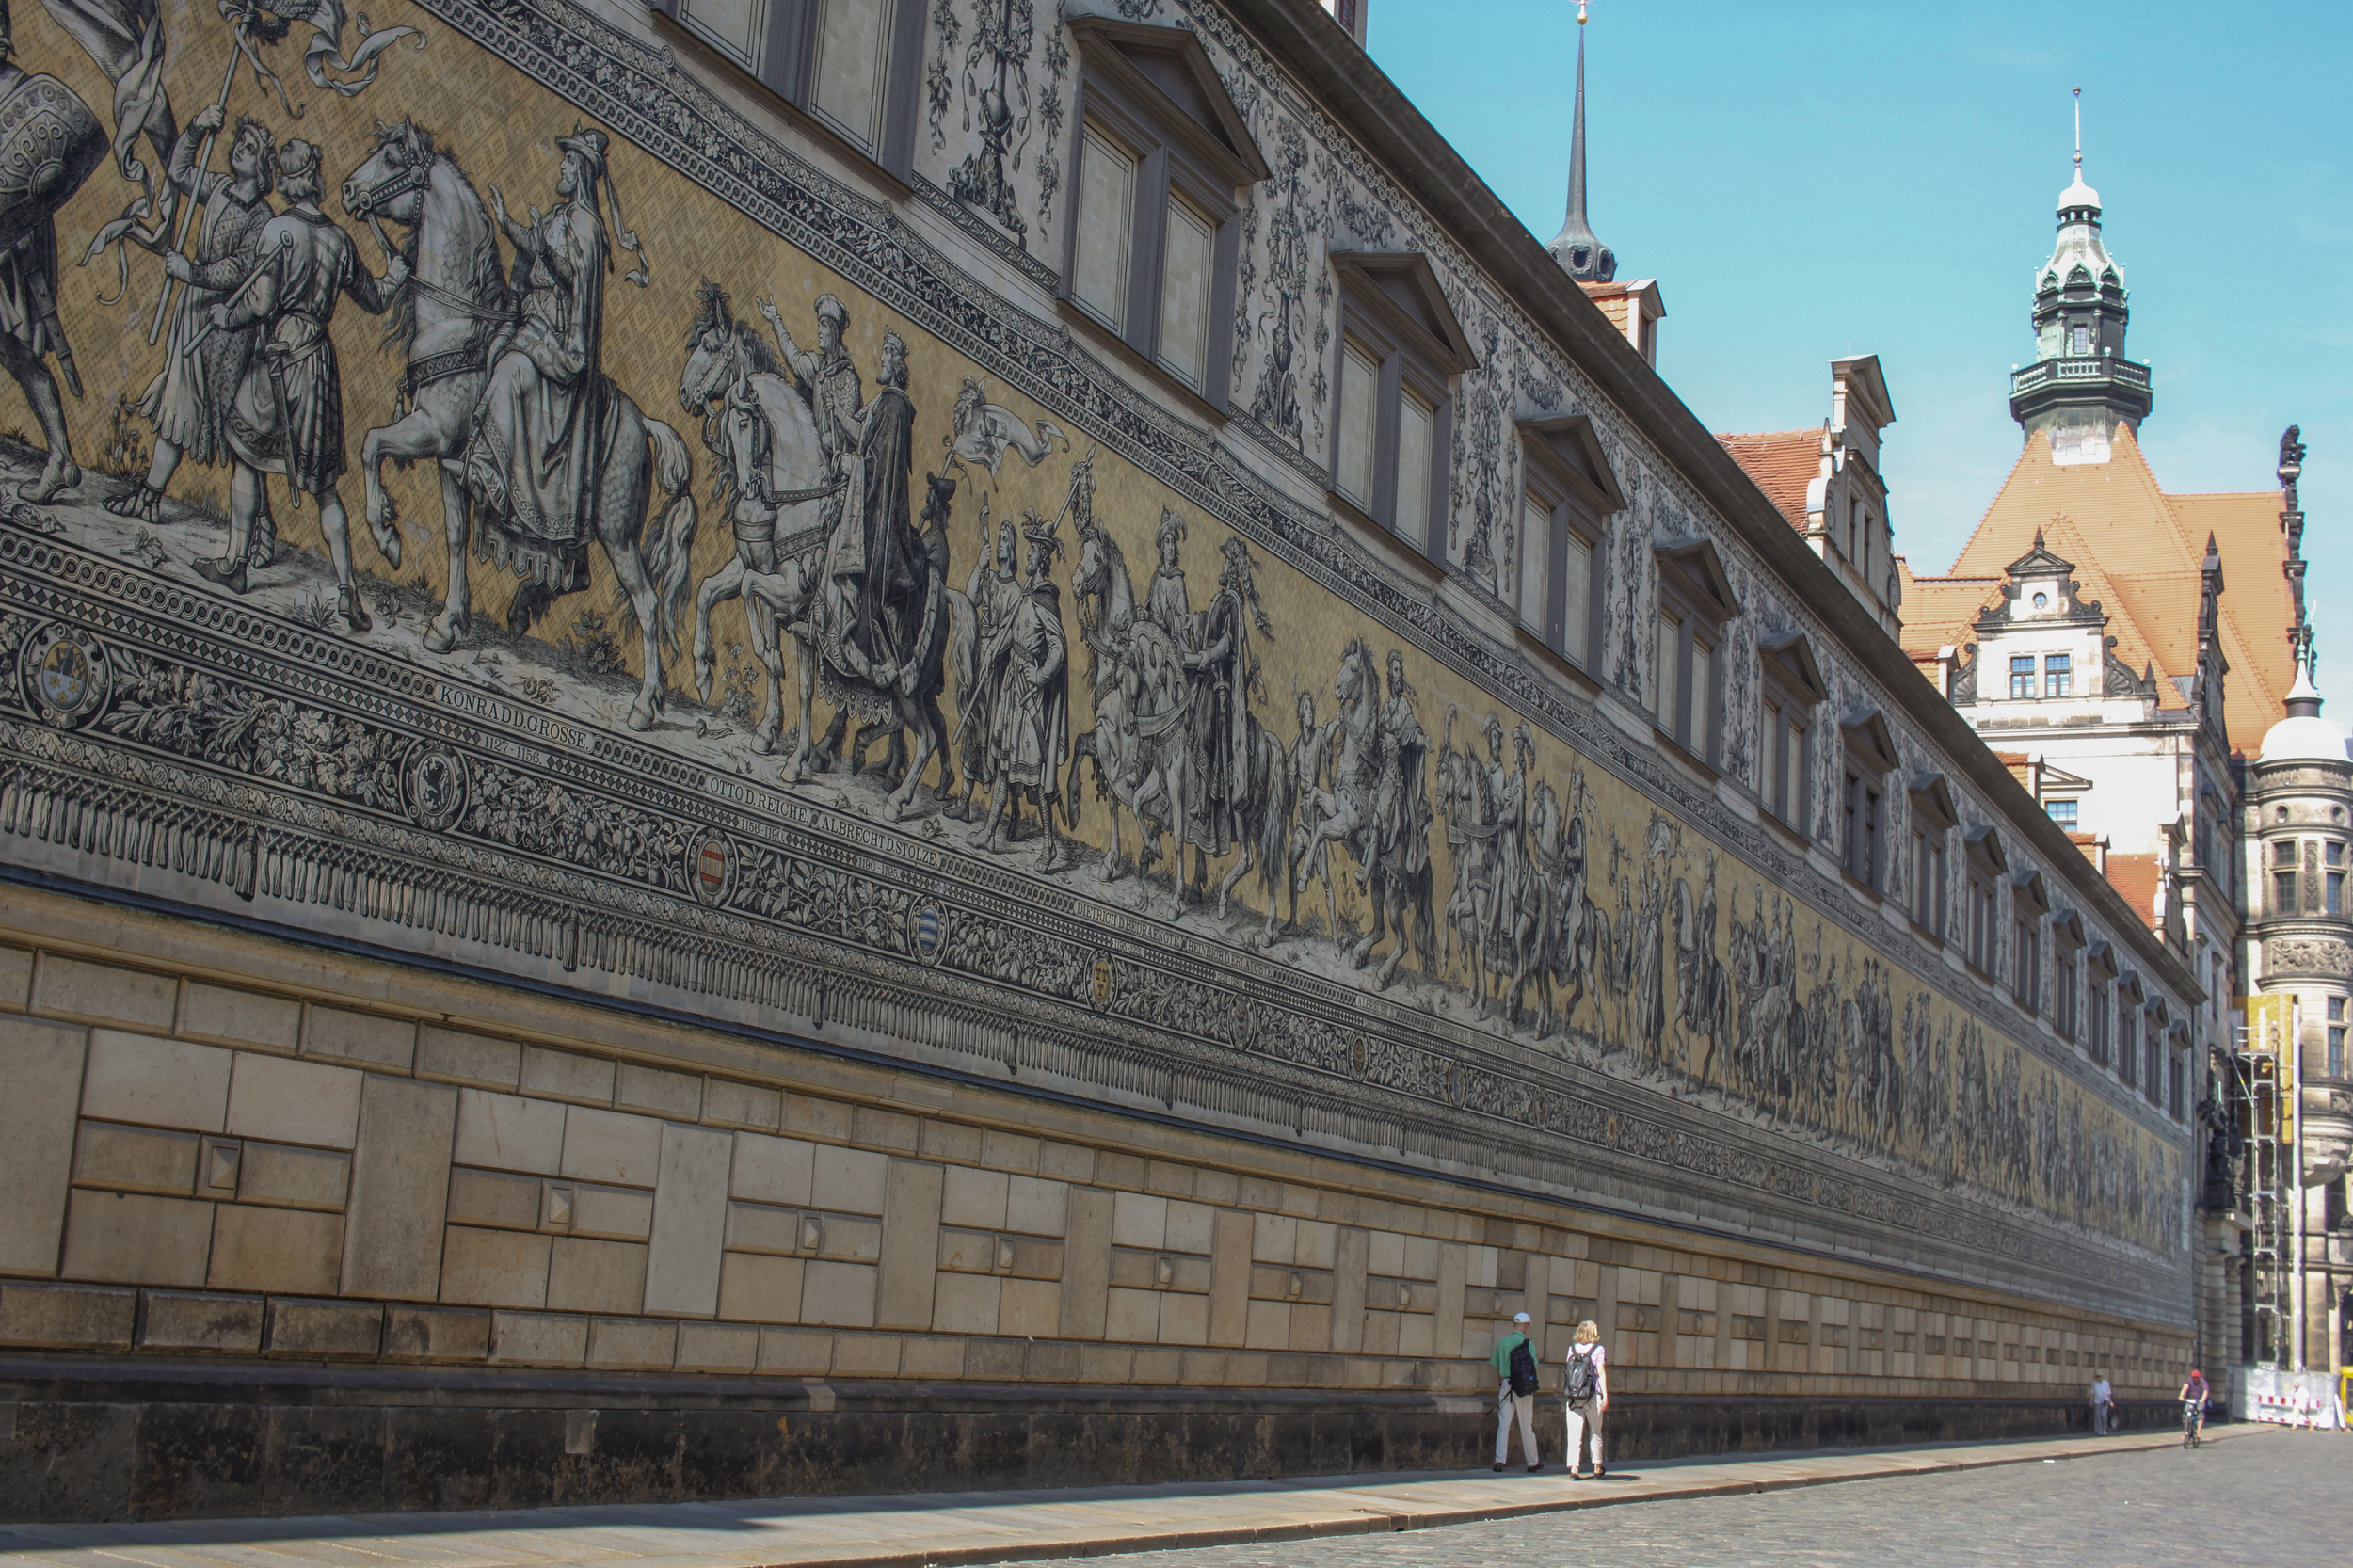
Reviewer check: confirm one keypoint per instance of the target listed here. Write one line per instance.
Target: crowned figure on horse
(818, 482)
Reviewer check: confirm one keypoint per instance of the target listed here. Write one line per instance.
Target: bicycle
(2193, 1423)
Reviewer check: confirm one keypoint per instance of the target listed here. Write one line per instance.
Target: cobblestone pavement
(2280, 1499)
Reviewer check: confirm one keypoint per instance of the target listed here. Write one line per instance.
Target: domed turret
(2303, 736)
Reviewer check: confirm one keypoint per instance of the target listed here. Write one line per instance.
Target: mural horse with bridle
(1141, 742)
(1366, 818)
(451, 317)
(774, 481)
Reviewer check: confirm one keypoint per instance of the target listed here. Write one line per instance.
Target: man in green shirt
(1516, 1395)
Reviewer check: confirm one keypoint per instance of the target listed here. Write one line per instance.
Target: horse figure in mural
(1140, 742)
(1572, 950)
(1377, 811)
(1549, 922)
(451, 319)
(1263, 817)
(760, 424)
(1702, 1000)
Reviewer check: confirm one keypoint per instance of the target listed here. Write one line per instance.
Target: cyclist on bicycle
(2193, 1396)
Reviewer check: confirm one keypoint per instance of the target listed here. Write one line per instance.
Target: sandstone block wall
(281, 1173)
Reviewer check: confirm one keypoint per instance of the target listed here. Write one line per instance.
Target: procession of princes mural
(757, 564)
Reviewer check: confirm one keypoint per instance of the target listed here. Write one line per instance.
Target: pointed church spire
(2078, 197)
(1579, 253)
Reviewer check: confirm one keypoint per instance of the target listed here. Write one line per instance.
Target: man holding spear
(287, 416)
(188, 402)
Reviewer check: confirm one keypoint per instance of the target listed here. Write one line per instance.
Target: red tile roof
(2138, 878)
(1782, 463)
(2137, 551)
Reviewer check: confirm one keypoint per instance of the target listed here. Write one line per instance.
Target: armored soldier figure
(49, 143)
(872, 565)
(188, 402)
(1401, 814)
(288, 413)
(830, 380)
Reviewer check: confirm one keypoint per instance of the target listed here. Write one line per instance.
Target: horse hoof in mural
(444, 632)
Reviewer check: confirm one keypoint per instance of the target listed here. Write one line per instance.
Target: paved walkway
(921, 1531)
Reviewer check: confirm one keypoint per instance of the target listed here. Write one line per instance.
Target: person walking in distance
(2103, 1400)
(1587, 1387)
(2193, 1396)
(1514, 1361)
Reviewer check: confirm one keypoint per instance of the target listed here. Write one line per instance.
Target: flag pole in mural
(204, 164)
(126, 39)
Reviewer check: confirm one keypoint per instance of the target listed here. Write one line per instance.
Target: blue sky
(1807, 179)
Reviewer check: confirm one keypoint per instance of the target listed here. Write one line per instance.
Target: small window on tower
(2079, 340)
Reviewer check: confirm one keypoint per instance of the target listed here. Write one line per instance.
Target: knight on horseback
(539, 435)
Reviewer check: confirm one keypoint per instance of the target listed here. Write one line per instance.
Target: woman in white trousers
(1587, 1385)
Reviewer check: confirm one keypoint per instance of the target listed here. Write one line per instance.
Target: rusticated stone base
(188, 1440)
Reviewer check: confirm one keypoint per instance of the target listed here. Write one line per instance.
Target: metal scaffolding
(2264, 1093)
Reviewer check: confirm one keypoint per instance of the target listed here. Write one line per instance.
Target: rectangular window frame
(1176, 160)
(2128, 1028)
(1867, 759)
(1695, 594)
(1578, 505)
(1789, 690)
(2021, 677)
(1983, 866)
(2028, 906)
(2058, 675)
(2067, 974)
(786, 66)
(1410, 357)
(2099, 978)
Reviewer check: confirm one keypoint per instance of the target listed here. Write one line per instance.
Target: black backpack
(1579, 1382)
(1523, 1369)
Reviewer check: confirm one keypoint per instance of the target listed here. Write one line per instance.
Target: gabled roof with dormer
(2040, 561)
(2140, 553)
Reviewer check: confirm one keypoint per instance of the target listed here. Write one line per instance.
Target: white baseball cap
(1519, 1317)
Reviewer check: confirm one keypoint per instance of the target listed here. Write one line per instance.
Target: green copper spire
(2081, 386)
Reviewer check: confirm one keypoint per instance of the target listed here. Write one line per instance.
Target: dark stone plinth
(99, 1440)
